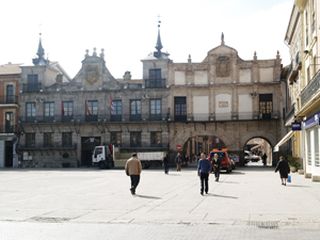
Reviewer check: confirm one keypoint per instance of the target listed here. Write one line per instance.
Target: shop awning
(283, 141)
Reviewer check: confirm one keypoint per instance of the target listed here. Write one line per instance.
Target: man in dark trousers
(216, 161)
(133, 169)
(204, 169)
(166, 163)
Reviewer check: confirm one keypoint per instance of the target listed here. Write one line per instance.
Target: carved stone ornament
(223, 66)
(92, 74)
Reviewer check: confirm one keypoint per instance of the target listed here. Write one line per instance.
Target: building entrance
(87, 146)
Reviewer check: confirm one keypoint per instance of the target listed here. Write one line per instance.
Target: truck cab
(102, 156)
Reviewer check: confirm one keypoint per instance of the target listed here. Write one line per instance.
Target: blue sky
(127, 30)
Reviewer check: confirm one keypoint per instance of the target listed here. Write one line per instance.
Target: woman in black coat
(284, 170)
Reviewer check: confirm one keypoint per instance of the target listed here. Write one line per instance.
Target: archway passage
(257, 152)
(198, 144)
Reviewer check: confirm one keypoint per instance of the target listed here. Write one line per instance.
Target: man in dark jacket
(284, 170)
(204, 168)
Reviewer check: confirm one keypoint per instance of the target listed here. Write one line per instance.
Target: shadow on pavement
(145, 196)
(222, 196)
(294, 185)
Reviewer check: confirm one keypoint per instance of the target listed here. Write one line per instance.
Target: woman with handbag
(284, 170)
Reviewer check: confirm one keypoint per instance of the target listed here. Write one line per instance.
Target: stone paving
(249, 203)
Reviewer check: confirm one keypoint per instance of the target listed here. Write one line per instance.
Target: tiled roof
(10, 69)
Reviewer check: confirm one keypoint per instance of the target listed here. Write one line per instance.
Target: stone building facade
(9, 114)
(223, 101)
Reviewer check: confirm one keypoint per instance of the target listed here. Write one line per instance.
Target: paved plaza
(249, 203)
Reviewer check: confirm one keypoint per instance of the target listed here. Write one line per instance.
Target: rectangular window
(155, 80)
(30, 139)
(9, 122)
(32, 82)
(48, 139)
(115, 138)
(48, 110)
(155, 139)
(265, 106)
(309, 152)
(317, 147)
(135, 110)
(10, 97)
(155, 73)
(66, 139)
(135, 139)
(180, 108)
(92, 110)
(155, 109)
(67, 110)
(116, 110)
(30, 110)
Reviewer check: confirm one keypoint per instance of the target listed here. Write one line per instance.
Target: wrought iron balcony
(40, 147)
(155, 83)
(31, 87)
(311, 89)
(9, 99)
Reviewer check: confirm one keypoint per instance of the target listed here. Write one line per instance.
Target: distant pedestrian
(264, 159)
(166, 164)
(178, 161)
(133, 169)
(284, 170)
(216, 162)
(204, 169)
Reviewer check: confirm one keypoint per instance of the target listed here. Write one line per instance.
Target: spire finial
(222, 38)
(41, 56)
(159, 44)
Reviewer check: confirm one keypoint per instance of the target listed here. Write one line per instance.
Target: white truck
(151, 158)
(108, 156)
(102, 156)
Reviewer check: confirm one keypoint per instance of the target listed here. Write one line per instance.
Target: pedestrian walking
(133, 169)
(216, 162)
(204, 169)
(284, 170)
(166, 163)
(264, 159)
(178, 161)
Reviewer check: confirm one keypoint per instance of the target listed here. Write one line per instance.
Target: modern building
(9, 114)
(304, 81)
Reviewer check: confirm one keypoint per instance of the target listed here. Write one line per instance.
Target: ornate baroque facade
(221, 101)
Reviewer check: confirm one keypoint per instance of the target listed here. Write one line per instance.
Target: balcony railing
(55, 146)
(101, 118)
(311, 89)
(31, 87)
(9, 129)
(155, 83)
(9, 99)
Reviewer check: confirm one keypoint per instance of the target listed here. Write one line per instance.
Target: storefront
(311, 132)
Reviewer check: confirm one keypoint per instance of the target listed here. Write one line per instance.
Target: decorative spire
(159, 44)
(41, 59)
(222, 38)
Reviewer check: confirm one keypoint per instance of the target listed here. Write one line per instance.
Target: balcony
(31, 87)
(41, 147)
(155, 83)
(234, 116)
(9, 99)
(9, 129)
(311, 89)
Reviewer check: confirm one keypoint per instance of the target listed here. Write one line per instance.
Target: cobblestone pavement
(249, 203)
